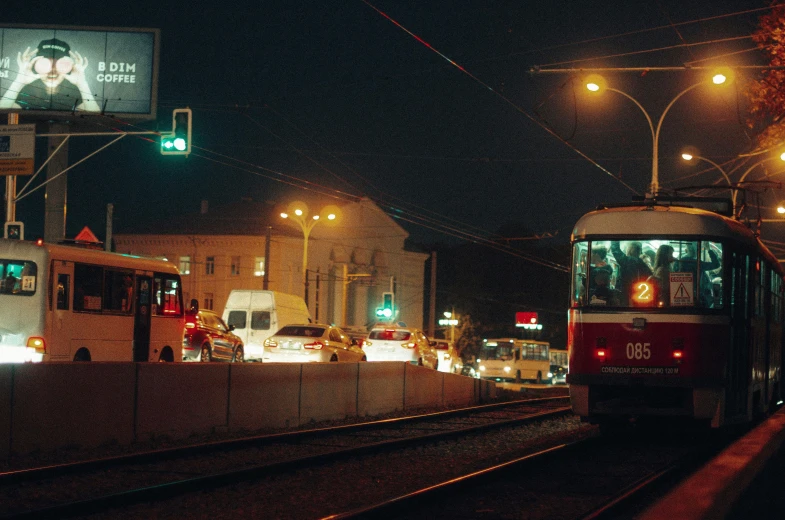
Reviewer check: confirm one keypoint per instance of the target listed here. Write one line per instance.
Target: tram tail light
(37, 343)
(678, 349)
(601, 349)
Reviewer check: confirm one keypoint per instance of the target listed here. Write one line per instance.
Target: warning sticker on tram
(641, 371)
(682, 289)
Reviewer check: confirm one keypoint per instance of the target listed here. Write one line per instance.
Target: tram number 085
(638, 350)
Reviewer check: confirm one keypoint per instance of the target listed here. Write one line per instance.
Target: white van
(256, 315)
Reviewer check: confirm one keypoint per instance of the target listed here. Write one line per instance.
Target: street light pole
(599, 84)
(298, 213)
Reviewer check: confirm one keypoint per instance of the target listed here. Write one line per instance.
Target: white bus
(507, 359)
(67, 303)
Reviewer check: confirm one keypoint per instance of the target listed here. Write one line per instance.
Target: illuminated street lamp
(689, 156)
(596, 83)
(298, 212)
(451, 322)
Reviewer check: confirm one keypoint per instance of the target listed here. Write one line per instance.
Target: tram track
(520, 486)
(113, 482)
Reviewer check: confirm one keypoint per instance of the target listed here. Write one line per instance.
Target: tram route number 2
(638, 350)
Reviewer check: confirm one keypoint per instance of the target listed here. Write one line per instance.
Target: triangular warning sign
(87, 236)
(681, 292)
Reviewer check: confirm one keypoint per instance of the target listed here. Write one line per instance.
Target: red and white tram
(675, 311)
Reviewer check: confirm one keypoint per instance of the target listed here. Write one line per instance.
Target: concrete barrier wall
(264, 396)
(55, 405)
(423, 387)
(6, 380)
(328, 391)
(380, 388)
(71, 404)
(179, 399)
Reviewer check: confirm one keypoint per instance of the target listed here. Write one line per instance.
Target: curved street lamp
(596, 83)
(298, 212)
(687, 156)
(749, 170)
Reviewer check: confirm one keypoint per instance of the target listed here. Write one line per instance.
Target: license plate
(289, 345)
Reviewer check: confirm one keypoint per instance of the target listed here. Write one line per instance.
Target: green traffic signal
(178, 141)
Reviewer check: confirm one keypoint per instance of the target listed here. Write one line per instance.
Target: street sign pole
(10, 183)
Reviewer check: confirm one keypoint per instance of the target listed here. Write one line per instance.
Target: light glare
(719, 79)
(593, 87)
(686, 156)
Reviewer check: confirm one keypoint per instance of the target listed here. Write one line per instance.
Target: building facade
(351, 262)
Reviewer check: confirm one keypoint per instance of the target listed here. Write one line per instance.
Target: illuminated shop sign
(79, 70)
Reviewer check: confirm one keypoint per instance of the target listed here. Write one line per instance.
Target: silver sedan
(311, 343)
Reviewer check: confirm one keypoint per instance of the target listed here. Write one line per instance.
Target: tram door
(144, 289)
(741, 302)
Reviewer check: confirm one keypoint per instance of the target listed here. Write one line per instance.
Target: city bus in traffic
(68, 303)
(518, 360)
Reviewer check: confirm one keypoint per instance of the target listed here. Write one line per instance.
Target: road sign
(17, 149)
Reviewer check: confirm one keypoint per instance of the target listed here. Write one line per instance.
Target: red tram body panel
(684, 323)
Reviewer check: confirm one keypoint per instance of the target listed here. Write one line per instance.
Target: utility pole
(10, 182)
(432, 302)
(266, 279)
(109, 217)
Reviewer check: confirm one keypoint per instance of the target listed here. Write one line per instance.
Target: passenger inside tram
(690, 273)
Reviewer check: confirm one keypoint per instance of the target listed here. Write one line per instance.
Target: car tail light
(270, 343)
(37, 343)
(316, 345)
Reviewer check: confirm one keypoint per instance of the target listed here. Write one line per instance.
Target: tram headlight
(482, 368)
(507, 369)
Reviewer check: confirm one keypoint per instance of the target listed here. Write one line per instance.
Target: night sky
(336, 96)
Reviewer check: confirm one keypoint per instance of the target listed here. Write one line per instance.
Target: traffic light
(386, 310)
(178, 141)
(15, 230)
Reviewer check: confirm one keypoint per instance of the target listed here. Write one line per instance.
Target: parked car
(208, 338)
(446, 352)
(558, 375)
(311, 342)
(400, 344)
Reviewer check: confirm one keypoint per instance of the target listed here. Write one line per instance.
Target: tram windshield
(648, 273)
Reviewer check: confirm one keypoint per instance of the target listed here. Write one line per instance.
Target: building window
(185, 265)
(235, 266)
(258, 269)
(208, 301)
(209, 265)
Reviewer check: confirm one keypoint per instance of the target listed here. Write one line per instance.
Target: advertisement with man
(79, 70)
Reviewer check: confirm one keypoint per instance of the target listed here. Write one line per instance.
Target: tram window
(711, 281)
(579, 268)
(648, 272)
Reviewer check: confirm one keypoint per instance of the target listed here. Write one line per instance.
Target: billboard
(67, 70)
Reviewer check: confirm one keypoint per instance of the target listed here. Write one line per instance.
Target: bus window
(118, 291)
(18, 277)
(63, 282)
(166, 297)
(87, 287)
